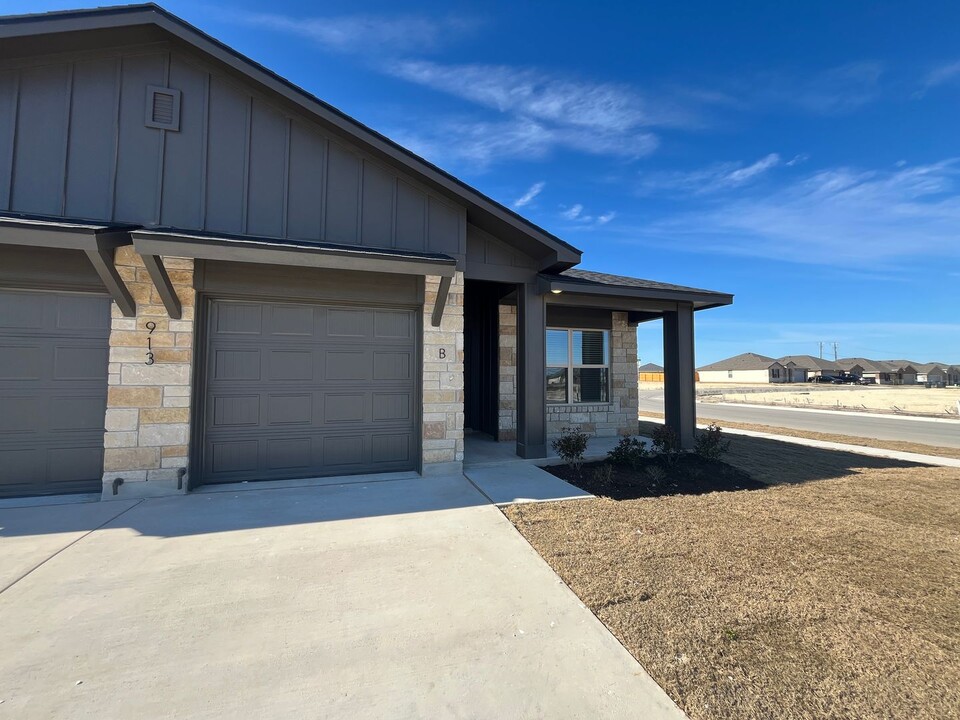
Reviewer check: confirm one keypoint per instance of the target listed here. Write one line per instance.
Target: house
(208, 275)
(650, 373)
(880, 372)
(751, 368)
(937, 373)
(815, 366)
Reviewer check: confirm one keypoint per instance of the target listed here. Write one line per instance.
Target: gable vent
(163, 108)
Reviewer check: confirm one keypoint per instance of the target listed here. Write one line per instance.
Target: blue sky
(804, 156)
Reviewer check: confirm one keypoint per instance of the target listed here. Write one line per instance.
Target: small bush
(603, 475)
(570, 446)
(629, 452)
(657, 475)
(666, 443)
(710, 444)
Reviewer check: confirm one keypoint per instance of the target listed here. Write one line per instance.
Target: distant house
(750, 368)
(881, 372)
(937, 373)
(650, 372)
(815, 366)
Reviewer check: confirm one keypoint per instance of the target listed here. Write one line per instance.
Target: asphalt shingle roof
(597, 278)
(744, 361)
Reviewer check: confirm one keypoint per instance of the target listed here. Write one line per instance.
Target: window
(729, 373)
(578, 366)
(775, 372)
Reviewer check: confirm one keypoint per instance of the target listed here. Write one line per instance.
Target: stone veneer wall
(508, 373)
(618, 417)
(148, 406)
(443, 379)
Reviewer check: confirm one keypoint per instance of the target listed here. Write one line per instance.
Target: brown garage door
(297, 390)
(53, 391)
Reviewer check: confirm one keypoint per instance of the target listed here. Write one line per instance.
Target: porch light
(556, 292)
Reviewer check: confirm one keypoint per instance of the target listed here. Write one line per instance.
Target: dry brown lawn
(911, 447)
(834, 594)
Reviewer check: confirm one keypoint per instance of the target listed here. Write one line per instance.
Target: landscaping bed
(653, 477)
(831, 593)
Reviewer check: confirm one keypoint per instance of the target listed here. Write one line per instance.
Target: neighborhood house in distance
(753, 368)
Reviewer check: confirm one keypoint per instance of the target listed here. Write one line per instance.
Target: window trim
(570, 366)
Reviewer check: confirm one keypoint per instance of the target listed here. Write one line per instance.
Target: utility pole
(835, 346)
(821, 349)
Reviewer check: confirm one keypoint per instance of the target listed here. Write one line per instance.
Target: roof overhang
(139, 24)
(153, 244)
(569, 292)
(98, 241)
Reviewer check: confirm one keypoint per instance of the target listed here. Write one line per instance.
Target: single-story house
(881, 372)
(208, 275)
(751, 368)
(815, 366)
(650, 372)
(937, 373)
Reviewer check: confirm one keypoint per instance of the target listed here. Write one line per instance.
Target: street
(944, 433)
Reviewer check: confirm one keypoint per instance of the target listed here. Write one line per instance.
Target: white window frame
(571, 366)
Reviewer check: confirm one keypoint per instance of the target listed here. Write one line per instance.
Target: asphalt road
(944, 433)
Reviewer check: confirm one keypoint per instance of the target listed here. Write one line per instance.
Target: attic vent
(163, 108)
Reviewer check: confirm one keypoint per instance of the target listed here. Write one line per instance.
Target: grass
(646, 429)
(834, 593)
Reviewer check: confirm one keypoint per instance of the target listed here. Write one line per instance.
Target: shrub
(570, 446)
(603, 475)
(657, 475)
(630, 451)
(666, 443)
(710, 444)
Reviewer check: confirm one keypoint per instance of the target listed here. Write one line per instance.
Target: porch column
(531, 364)
(679, 392)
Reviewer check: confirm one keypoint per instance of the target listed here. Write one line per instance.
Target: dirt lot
(913, 400)
(834, 593)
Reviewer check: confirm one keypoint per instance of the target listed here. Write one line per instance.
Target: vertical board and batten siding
(73, 143)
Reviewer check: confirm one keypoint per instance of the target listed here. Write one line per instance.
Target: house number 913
(150, 326)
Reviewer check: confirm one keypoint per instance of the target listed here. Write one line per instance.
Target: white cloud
(942, 75)
(531, 93)
(478, 144)
(712, 179)
(573, 213)
(873, 218)
(529, 195)
(367, 34)
(797, 160)
(606, 217)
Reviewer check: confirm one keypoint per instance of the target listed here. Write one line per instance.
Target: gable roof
(56, 31)
(744, 361)
(650, 368)
(810, 362)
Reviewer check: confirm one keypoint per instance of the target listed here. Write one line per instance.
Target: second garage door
(296, 390)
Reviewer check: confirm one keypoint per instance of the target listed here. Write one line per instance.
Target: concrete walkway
(410, 598)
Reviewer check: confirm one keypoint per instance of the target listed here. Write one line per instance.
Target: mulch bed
(655, 477)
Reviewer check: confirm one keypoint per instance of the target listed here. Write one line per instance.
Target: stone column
(443, 380)
(148, 405)
(507, 422)
(624, 392)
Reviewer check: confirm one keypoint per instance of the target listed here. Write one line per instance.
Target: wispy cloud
(572, 213)
(606, 217)
(576, 214)
(872, 217)
(712, 179)
(480, 143)
(834, 91)
(529, 195)
(942, 75)
(366, 34)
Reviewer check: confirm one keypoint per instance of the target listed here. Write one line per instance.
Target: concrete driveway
(410, 598)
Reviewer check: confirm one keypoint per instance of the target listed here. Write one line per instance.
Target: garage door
(53, 391)
(301, 390)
